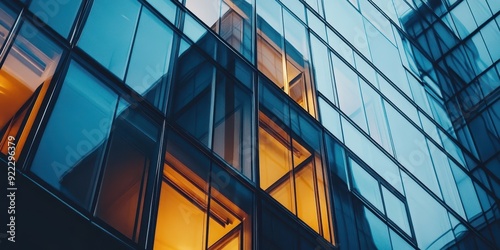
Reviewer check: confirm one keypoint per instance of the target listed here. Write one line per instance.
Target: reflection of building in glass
(252, 124)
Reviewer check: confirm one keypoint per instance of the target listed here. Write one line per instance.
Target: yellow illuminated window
(293, 175)
(182, 221)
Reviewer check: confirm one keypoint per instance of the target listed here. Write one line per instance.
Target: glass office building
(251, 124)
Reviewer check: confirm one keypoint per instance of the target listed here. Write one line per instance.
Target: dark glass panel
(192, 94)
(131, 158)
(233, 138)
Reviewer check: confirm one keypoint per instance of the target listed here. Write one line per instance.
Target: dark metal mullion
(139, 210)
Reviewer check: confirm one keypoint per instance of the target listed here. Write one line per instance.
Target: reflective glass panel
(230, 226)
(150, 59)
(366, 185)
(349, 92)
(59, 15)
(270, 41)
(166, 7)
(375, 115)
(293, 175)
(192, 94)
(108, 32)
(71, 147)
(425, 211)
(396, 210)
(322, 69)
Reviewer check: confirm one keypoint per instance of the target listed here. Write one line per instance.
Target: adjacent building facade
(251, 124)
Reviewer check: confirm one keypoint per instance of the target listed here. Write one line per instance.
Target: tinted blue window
(108, 32)
(366, 185)
(166, 7)
(396, 210)
(378, 230)
(370, 154)
(72, 144)
(322, 69)
(59, 15)
(425, 211)
(150, 58)
(330, 118)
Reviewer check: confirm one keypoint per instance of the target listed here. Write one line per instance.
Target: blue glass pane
(411, 149)
(192, 94)
(71, 146)
(370, 154)
(375, 117)
(396, 210)
(166, 7)
(296, 7)
(378, 230)
(322, 69)
(233, 138)
(330, 118)
(59, 15)
(194, 30)
(398, 243)
(366, 185)
(467, 191)
(108, 32)
(316, 25)
(425, 211)
(491, 37)
(349, 93)
(150, 58)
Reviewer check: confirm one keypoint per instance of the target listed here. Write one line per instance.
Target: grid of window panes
(301, 123)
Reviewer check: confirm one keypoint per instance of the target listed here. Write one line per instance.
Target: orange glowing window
(293, 175)
(188, 218)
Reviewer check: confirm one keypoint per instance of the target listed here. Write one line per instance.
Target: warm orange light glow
(300, 187)
(182, 214)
